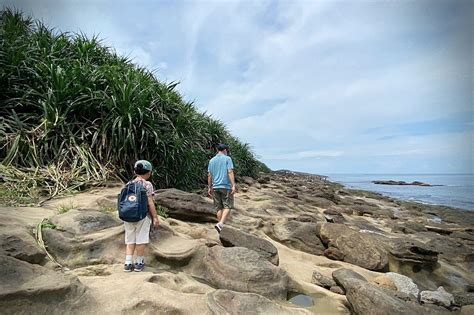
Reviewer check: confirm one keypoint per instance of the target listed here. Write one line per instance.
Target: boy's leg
(130, 249)
(141, 249)
(219, 215)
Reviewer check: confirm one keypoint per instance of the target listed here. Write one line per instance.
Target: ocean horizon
(455, 190)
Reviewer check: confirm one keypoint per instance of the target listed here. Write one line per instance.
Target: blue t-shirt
(218, 167)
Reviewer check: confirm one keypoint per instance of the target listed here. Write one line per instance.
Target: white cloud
(304, 80)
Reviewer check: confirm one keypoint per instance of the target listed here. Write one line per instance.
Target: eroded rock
(231, 302)
(234, 237)
(240, 269)
(321, 280)
(297, 235)
(32, 289)
(438, 297)
(186, 206)
(403, 283)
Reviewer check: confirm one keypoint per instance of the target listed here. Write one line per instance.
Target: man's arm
(209, 184)
(232, 180)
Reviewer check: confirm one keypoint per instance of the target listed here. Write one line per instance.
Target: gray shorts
(223, 199)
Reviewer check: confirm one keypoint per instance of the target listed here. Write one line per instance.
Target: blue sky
(316, 86)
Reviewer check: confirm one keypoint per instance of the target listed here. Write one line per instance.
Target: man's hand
(232, 191)
(209, 192)
(156, 222)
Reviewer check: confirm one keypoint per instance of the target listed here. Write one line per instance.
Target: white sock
(140, 259)
(128, 259)
(221, 225)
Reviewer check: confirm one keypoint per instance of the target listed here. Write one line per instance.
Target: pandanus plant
(74, 113)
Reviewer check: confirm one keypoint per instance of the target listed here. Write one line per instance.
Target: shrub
(73, 113)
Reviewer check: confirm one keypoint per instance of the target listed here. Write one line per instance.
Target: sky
(316, 86)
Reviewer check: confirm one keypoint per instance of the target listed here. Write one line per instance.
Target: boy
(137, 233)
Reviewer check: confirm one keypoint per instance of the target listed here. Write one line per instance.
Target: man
(221, 184)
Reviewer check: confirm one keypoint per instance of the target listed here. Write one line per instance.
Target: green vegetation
(162, 211)
(47, 224)
(63, 208)
(106, 209)
(74, 113)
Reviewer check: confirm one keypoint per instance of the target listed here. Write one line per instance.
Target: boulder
(467, 310)
(186, 206)
(33, 289)
(409, 250)
(231, 302)
(337, 289)
(84, 221)
(452, 250)
(108, 201)
(321, 280)
(292, 194)
(298, 235)
(333, 216)
(329, 232)
(345, 277)
(404, 284)
(385, 282)
(333, 253)
(233, 237)
(363, 250)
(85, 237)
(463, 298)
(240, 269)
(438, 297)
(367, 299)
(20, 244)
(246, 180)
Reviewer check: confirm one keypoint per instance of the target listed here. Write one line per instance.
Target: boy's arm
(152, 211)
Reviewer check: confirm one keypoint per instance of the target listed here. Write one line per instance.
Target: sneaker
(139, 266)
(128, 267)
(218, 228)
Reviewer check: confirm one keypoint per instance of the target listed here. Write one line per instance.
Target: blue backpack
(133, 202)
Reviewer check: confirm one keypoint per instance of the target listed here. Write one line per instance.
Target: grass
(13, 195)
(47, 224)
(63, 208)
(74, 113)
(162, 211)
(106, 209)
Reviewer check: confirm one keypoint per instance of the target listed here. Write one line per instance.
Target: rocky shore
(402, 183)
(291, 235)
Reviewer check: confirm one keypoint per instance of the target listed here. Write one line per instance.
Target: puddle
(300, 299)
(317, 303)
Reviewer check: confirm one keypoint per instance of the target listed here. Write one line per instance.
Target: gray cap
(145, 165)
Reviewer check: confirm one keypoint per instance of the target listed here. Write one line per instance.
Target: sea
(457, 190)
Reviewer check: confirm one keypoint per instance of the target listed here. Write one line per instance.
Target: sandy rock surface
(291, 234)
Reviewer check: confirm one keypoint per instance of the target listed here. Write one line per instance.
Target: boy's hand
(156, 222)
(233, 189)
(209, 192)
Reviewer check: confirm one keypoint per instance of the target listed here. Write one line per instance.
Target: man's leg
(219, 215)
(224, 214)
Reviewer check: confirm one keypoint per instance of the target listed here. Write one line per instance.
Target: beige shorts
(138, 232)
